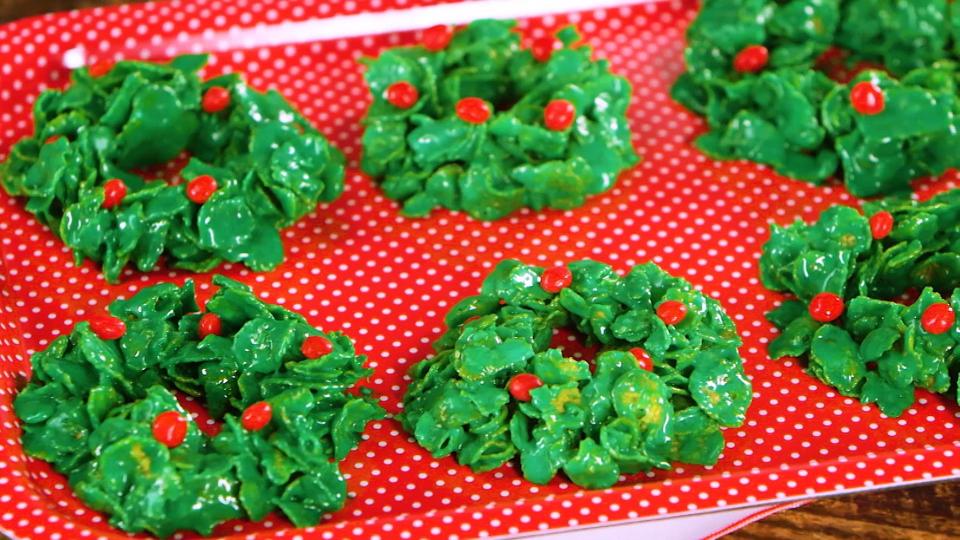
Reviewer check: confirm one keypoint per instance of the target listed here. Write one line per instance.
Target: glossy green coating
(800, 122)
(594, 421)
(772, 119)
(901, 34)
(271, 166)
(877, 350)
(916, 134)
(90, 406)
(426, 157)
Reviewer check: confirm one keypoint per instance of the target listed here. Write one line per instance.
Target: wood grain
(919, 512)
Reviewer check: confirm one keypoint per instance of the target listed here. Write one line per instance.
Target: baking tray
(387, 281)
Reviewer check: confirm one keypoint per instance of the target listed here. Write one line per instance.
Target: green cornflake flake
(878, 342)
(594, 424)
(271, 167)
(836, 358)
(878, 350)
(426, 157)
(696, 438)
(592, 466)
(90, 407)
(720, 388)
(891, 399)
(794, 338)
(789, 114)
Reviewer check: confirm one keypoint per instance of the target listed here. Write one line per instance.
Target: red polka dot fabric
(387, 281)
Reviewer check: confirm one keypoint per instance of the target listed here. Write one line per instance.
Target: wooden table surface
(920, 512)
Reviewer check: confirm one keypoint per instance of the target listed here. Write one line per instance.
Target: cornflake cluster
(257, 165)
(849, 273)
(753, 70)
(101, 410)
(470, 121)
(667, 378)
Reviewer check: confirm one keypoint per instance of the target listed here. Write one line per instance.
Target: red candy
(100, 68)
(555, 279)
(52, 139)
(938, 318)
(542, 48)
(866, 98)
(170, 429)
(107, 328)
(201, 188)
(114, 190)
(316, 346)
(216, 99)
(672, 312)
(473, 110)
(209, 324)
(402, 95)
(256, 416)
(559, 114)
(751, 59)
(826, 307)
(643, 359)
(881, 224)
(436, 38)
(521, 384)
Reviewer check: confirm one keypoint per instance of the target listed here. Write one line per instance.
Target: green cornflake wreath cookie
(470, 121)
(752, 72)
(846, 272)
(667, 378)
(100, 409)
(257, 165)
